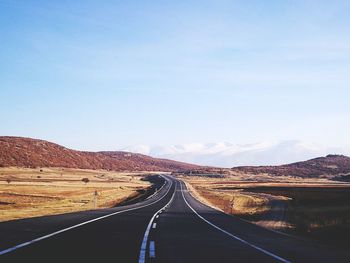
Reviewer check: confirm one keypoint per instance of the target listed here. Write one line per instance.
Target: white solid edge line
(231, 235)
(157, 190)
(142, 255)
(2, 252)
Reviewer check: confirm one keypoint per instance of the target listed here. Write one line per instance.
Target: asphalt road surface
(170, 226)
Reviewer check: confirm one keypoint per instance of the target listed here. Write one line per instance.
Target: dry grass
(316, 208)
(46, 191)
(229, 201)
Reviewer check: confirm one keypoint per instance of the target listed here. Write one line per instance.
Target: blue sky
(100, 75)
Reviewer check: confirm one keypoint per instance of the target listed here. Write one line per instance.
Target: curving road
(170, 226)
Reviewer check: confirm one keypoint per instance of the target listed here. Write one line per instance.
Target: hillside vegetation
(329, 166)
(32, 153)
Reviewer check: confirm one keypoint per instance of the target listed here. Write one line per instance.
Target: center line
(152, 250)
(142, 256)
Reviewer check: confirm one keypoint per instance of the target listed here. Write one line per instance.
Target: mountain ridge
(32, 153)
(330, 165)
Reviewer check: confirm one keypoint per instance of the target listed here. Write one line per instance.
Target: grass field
(315, 209)
(320, 212)
(46, 191)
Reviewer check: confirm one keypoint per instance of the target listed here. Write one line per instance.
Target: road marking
(8, 250)
(154, 225)
(152, 250)
(142, 255)
(231, 235)
(156, 191)
(157, 216)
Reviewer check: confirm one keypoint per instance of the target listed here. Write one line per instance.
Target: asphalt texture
(180, 229)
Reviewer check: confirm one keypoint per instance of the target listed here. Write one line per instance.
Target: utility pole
(231, 205)
(95, 199)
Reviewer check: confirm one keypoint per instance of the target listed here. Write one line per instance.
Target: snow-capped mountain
(225, 154)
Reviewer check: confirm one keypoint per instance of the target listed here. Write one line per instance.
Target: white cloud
(225, 154)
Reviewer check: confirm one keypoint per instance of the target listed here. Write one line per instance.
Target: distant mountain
(331, 165)
(26, 152)
(227, 155)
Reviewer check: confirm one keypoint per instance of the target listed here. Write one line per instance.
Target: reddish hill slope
(331, 165)
(26, 152)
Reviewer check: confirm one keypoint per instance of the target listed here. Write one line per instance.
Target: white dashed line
(142, 255)
(152, 250)
(154, 225)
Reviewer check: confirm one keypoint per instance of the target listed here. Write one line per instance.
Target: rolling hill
(27, 152)
(329, 166)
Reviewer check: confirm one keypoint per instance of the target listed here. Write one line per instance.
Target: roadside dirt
(276, 216)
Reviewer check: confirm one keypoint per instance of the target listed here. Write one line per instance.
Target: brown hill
(26, 152)
(331, 165)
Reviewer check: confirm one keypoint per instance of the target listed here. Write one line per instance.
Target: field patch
(45, 191)
(314, 209)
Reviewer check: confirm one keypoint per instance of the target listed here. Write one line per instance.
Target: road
(170, 226)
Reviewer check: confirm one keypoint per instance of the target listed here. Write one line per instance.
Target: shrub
(85, 180)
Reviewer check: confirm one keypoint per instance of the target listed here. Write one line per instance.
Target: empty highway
(170, 226)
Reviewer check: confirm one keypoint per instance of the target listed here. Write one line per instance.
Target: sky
(102, 75)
